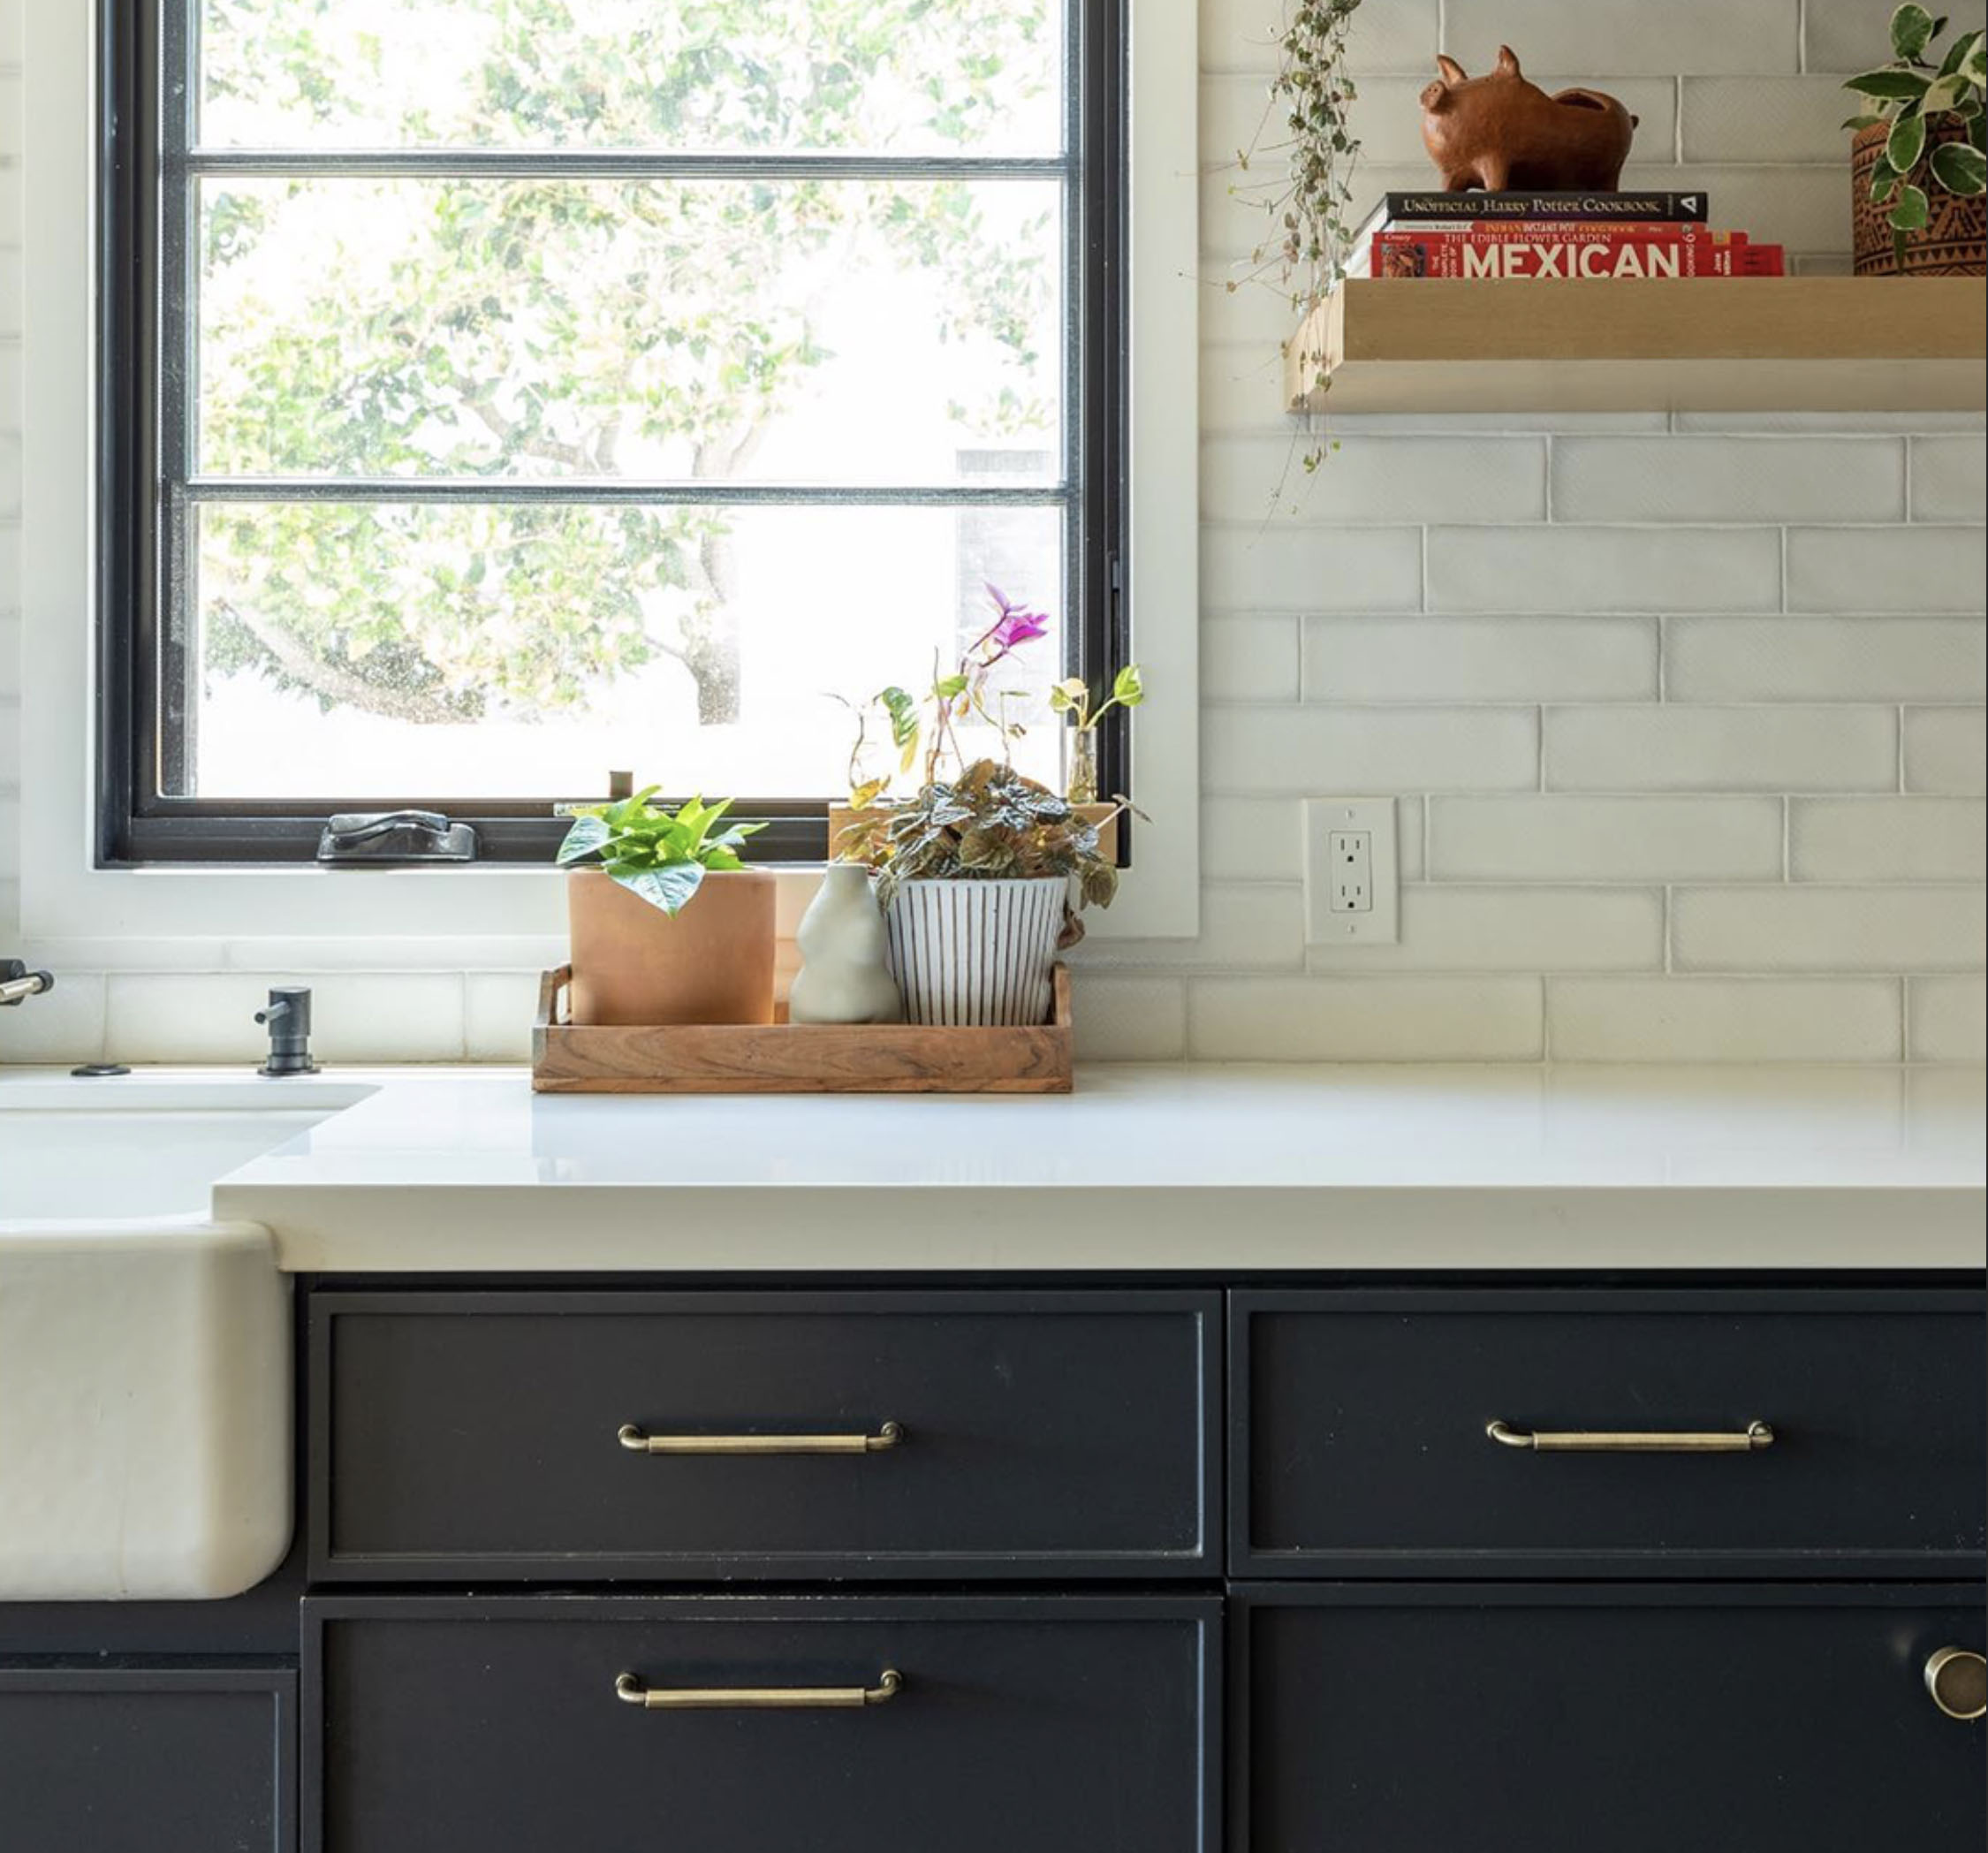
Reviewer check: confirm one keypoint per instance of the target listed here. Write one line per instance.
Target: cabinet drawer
(96, 1760)
(1060, 1724)
(480, 1435)
(1638, 1719)
(1364, 1446)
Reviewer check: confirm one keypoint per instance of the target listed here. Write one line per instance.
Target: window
(495, 392)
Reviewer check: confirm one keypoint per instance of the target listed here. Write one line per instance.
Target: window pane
(489, 651)
(896, 76)
(805, 331)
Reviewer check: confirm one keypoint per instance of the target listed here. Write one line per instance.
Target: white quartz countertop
(1153, 1168)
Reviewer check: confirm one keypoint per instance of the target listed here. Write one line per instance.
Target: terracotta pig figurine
(1500, 131)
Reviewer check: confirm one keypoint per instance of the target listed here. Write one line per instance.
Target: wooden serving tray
(783, 1058)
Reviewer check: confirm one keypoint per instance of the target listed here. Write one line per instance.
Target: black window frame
(142, 43)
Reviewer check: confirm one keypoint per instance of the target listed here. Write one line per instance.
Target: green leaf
(949, 687)
(1912, 30)
(1912, 211)
(1961, 168)
(1884, 182)
(1889, 84)
(587, 833)
(1945, 94)
(669, 888)
(1862, 122)
(1907, 143)
(1127, 689)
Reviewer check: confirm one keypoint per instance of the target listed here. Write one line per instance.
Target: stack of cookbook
(1550, 235)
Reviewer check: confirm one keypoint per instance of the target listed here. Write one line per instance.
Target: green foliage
(991, 823)
(1922, 101)
(497, 329)
(657, 853)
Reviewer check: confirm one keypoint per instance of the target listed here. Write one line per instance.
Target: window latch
(396, 836)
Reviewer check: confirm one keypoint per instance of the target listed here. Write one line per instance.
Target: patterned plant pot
(976, 952)
(1955, 244)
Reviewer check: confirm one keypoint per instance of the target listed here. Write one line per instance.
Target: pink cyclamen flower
(1016, 624)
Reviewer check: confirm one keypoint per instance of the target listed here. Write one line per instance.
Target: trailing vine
(1309, 207)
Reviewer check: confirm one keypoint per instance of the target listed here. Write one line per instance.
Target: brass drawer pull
(1957, 1677)
(640, 1442)
(1755, 1436)
(631, 1689)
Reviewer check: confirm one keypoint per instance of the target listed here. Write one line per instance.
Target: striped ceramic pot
(976, 952)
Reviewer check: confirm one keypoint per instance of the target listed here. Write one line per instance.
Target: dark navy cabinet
(1288, 1566)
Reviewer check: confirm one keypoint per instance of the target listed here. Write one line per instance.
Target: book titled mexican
(1405, 209)
(1605, 251)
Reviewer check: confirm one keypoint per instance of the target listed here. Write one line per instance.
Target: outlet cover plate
(1381, 924)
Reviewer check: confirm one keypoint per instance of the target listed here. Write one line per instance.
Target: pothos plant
(660, 854)
(1919, 98)
(1309, 207)
(989, 824)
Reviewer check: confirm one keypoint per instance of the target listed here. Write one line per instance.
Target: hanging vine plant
(1309, 205)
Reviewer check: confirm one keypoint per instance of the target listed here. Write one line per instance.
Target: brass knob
(1957, 1679)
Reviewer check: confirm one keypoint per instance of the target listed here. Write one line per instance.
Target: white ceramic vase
(976, 952)
(845, 976)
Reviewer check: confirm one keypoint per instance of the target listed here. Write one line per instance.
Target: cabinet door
(170, 1760)
(827, 1724)
(1636, 1718)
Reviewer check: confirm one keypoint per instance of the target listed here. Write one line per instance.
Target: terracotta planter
(632, 964)
(1955, 244)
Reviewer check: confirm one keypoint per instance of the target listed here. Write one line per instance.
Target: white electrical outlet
(1352, 872)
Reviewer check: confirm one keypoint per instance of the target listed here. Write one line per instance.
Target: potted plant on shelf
(980, 878)
(1073, 698)
(1918, 173)
(668, 925)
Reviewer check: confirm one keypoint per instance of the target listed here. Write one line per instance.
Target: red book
(1589, 251)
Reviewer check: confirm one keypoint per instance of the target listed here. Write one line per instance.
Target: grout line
(1910, 489)
(1677, 122)
(1784, 571)
(1902, 788)
(1800, 37)
(1788, 832)
(1549, 476)
(1670, 917)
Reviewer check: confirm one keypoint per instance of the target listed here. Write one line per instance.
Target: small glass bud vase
(1080, 766)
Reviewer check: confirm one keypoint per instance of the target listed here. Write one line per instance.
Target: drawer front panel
(1642, 1721)
(1363, 1445)
(478, 1436)
(1057, 1725)
(174, 1761)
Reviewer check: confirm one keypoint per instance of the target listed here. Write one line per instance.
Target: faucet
(18, 984)
(288, 1018)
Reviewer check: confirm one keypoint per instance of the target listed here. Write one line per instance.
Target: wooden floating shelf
(1768, 343)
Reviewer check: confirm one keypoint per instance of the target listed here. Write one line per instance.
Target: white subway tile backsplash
(1728, 479)
(1375, 479)
(65, 1025)
(10, 292)
(1816, 929)
(1719, 1019)
(1950, 478)
(1349, 752)
(1467, 928)
(1825, 659)
(1947, 751)
(1245, 926)
(1252, 839)
(1944, 1018)
(1721, 749)
(1887, 569)
(10, 744)
(1776, 120)
(1888, 839)
(356, 1016)
(499, 1010)
(1480, 660)
(1393, 1019)
(1281, 566)
(1249, 659)
(1395, 35)
(1604, 839)
(1120, 1019)
(1846, 36)
(10, 476)
(1687, 35)
(1603, 569)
